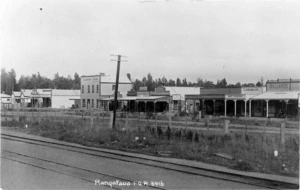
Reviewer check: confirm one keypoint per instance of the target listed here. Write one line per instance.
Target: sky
(241, 41)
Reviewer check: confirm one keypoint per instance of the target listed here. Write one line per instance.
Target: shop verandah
(275, 104)
(248, 106)
(147, 104)
(221, 105)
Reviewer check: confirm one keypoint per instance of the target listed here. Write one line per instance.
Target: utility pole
(116, 89)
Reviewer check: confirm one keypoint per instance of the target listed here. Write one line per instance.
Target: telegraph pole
(116, 89)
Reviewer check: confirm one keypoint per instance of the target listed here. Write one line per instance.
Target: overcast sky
(241, 41)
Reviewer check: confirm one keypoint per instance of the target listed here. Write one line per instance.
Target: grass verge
(249, 152)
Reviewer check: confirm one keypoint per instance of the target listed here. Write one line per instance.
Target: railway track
(143, 160)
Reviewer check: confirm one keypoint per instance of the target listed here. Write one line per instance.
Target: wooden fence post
(194, 134)
(92, 119)
(207, 123)
(18, 116)
(139, 122)
(126, 121)
(12, 111)
(282, 133)
(25, 113)
(39, 116)
(225, 126)
(111, 120)
(156, 120)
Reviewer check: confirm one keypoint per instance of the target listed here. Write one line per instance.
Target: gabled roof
(17, 93)
(5, 96)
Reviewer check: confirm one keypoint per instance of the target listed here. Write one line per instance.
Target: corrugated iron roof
(58, 92)
(139, 98)
(182, 91)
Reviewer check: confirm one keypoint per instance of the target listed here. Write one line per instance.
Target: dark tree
(76, 81)
(178, 82)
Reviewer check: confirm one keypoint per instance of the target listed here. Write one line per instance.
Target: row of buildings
(53, 98)
(279, 98)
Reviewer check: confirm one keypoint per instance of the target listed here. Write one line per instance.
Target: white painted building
(95, 88)
(5, 101)
(178, 96)
(53, 98)
(64, 98)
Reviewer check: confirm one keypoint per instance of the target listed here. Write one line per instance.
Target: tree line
(9, 82)
(151, 83)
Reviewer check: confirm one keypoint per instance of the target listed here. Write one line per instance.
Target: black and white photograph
(149, 94)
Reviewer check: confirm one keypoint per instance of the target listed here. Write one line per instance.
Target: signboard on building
(176, 97)
(278, 87)
(252, 90)
(235, 96)
(143, 88)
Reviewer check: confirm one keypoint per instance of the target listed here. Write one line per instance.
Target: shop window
(83, 103)
(88, 103)
(92, 88)
(97, 104)
(82, 89)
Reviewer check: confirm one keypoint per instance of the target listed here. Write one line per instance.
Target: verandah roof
(141, 98)
(277, 96)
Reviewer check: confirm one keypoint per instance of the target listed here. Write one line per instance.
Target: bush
(183, 114)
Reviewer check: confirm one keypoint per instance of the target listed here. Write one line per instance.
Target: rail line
(71, 167)
(192, 170)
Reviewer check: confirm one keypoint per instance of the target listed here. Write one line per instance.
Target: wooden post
(139, 122)
(155, 120)
(126, 121)
(18, 116)
(25, 113)
(12, 111)
(170, 120)
(39, 116)
(194, 134)
(207, 122)
(282, 133)
(225, 126)
(92, 120)
(111, 120)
